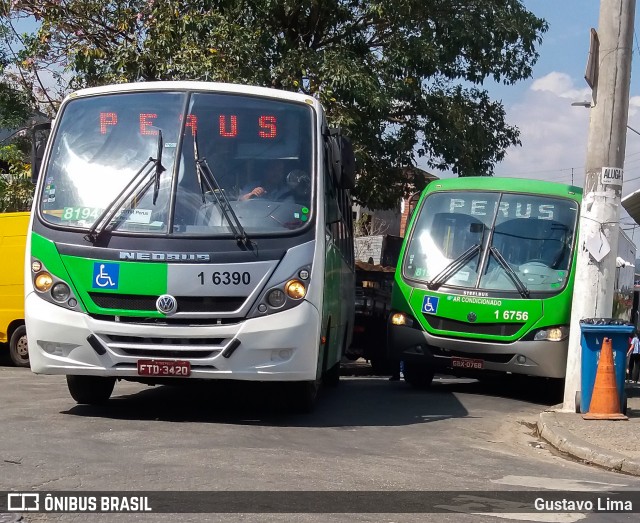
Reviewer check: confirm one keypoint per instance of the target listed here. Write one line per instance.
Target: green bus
(485, 279)
(190, 230)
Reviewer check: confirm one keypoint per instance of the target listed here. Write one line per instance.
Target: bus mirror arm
(333, 211)
(38, 143)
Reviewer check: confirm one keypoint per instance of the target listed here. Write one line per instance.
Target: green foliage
(13, 102)
(14, 106)
(403, 78)
(16, 189)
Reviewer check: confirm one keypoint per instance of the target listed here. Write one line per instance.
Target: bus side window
(331, 208)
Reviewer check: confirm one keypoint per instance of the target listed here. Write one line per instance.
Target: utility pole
(600, 212)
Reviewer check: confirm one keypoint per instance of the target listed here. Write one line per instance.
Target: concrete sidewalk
(611, 444)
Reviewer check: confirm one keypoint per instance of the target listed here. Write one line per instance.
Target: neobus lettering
(508, 210)
(161, 256)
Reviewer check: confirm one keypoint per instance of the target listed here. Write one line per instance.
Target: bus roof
(189, 85)
(493, 183)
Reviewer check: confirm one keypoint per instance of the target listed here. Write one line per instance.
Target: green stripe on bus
(143, 278)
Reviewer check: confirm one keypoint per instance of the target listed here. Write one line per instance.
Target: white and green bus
(148, 260)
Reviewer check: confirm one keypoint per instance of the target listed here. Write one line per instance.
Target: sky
(553, 132)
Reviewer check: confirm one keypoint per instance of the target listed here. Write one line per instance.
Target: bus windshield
(513, 242)
(258, 150)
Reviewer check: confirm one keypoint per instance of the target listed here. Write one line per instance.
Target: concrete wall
(369, 247)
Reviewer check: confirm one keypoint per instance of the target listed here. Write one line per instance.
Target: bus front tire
(418, 375)
(305, 396)
(90, 390)
(332, 376)
(18, 348)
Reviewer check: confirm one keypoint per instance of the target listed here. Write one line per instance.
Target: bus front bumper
(278, 347)
(466, 356)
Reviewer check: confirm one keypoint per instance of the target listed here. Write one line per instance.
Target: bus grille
(495, 329)
(157, 347)
(172, 320)
(134, 302)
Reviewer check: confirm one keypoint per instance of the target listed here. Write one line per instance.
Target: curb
(550, 430)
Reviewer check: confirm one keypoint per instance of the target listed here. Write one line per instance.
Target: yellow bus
(13, 236)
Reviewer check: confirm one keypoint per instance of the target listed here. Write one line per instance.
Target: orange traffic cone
(605, 402)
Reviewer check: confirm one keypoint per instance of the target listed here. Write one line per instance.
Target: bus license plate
(167, 368)
(465, 363)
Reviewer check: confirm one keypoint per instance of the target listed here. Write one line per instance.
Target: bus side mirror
(342, 159)
(39, 136)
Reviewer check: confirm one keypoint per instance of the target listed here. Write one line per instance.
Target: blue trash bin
(593, 331)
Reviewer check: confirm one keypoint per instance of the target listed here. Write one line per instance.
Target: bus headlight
(51, 288)
(401, 319)
(276, 298)
(60, 292)
(43, 282)
(558, 333)
(283, 293)
(295, 289)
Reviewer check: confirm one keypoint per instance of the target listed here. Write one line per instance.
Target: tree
(16, 189)
(14, 107)
(404, 78)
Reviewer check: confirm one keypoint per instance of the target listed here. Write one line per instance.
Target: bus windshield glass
(105, 153)
(518, 243)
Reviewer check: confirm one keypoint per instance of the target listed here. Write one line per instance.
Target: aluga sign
(485, 279)
(152, 256)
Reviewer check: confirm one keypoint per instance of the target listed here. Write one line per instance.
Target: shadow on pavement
(537, 391)
(355, 402)
(362, 401)
(5, 359)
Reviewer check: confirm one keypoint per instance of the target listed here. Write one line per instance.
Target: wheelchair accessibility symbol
(105, 275)
(430, 304)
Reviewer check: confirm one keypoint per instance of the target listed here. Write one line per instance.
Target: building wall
(368, 249)
(386, 222)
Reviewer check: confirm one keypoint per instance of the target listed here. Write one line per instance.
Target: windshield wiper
(520, 286)
(159, 168)
(207, 178)
(453, 267)
(136, 180)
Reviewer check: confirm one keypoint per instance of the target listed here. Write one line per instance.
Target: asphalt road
(368, 434)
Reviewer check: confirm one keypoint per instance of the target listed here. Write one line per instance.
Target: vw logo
(472, 317)
(166, 304)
